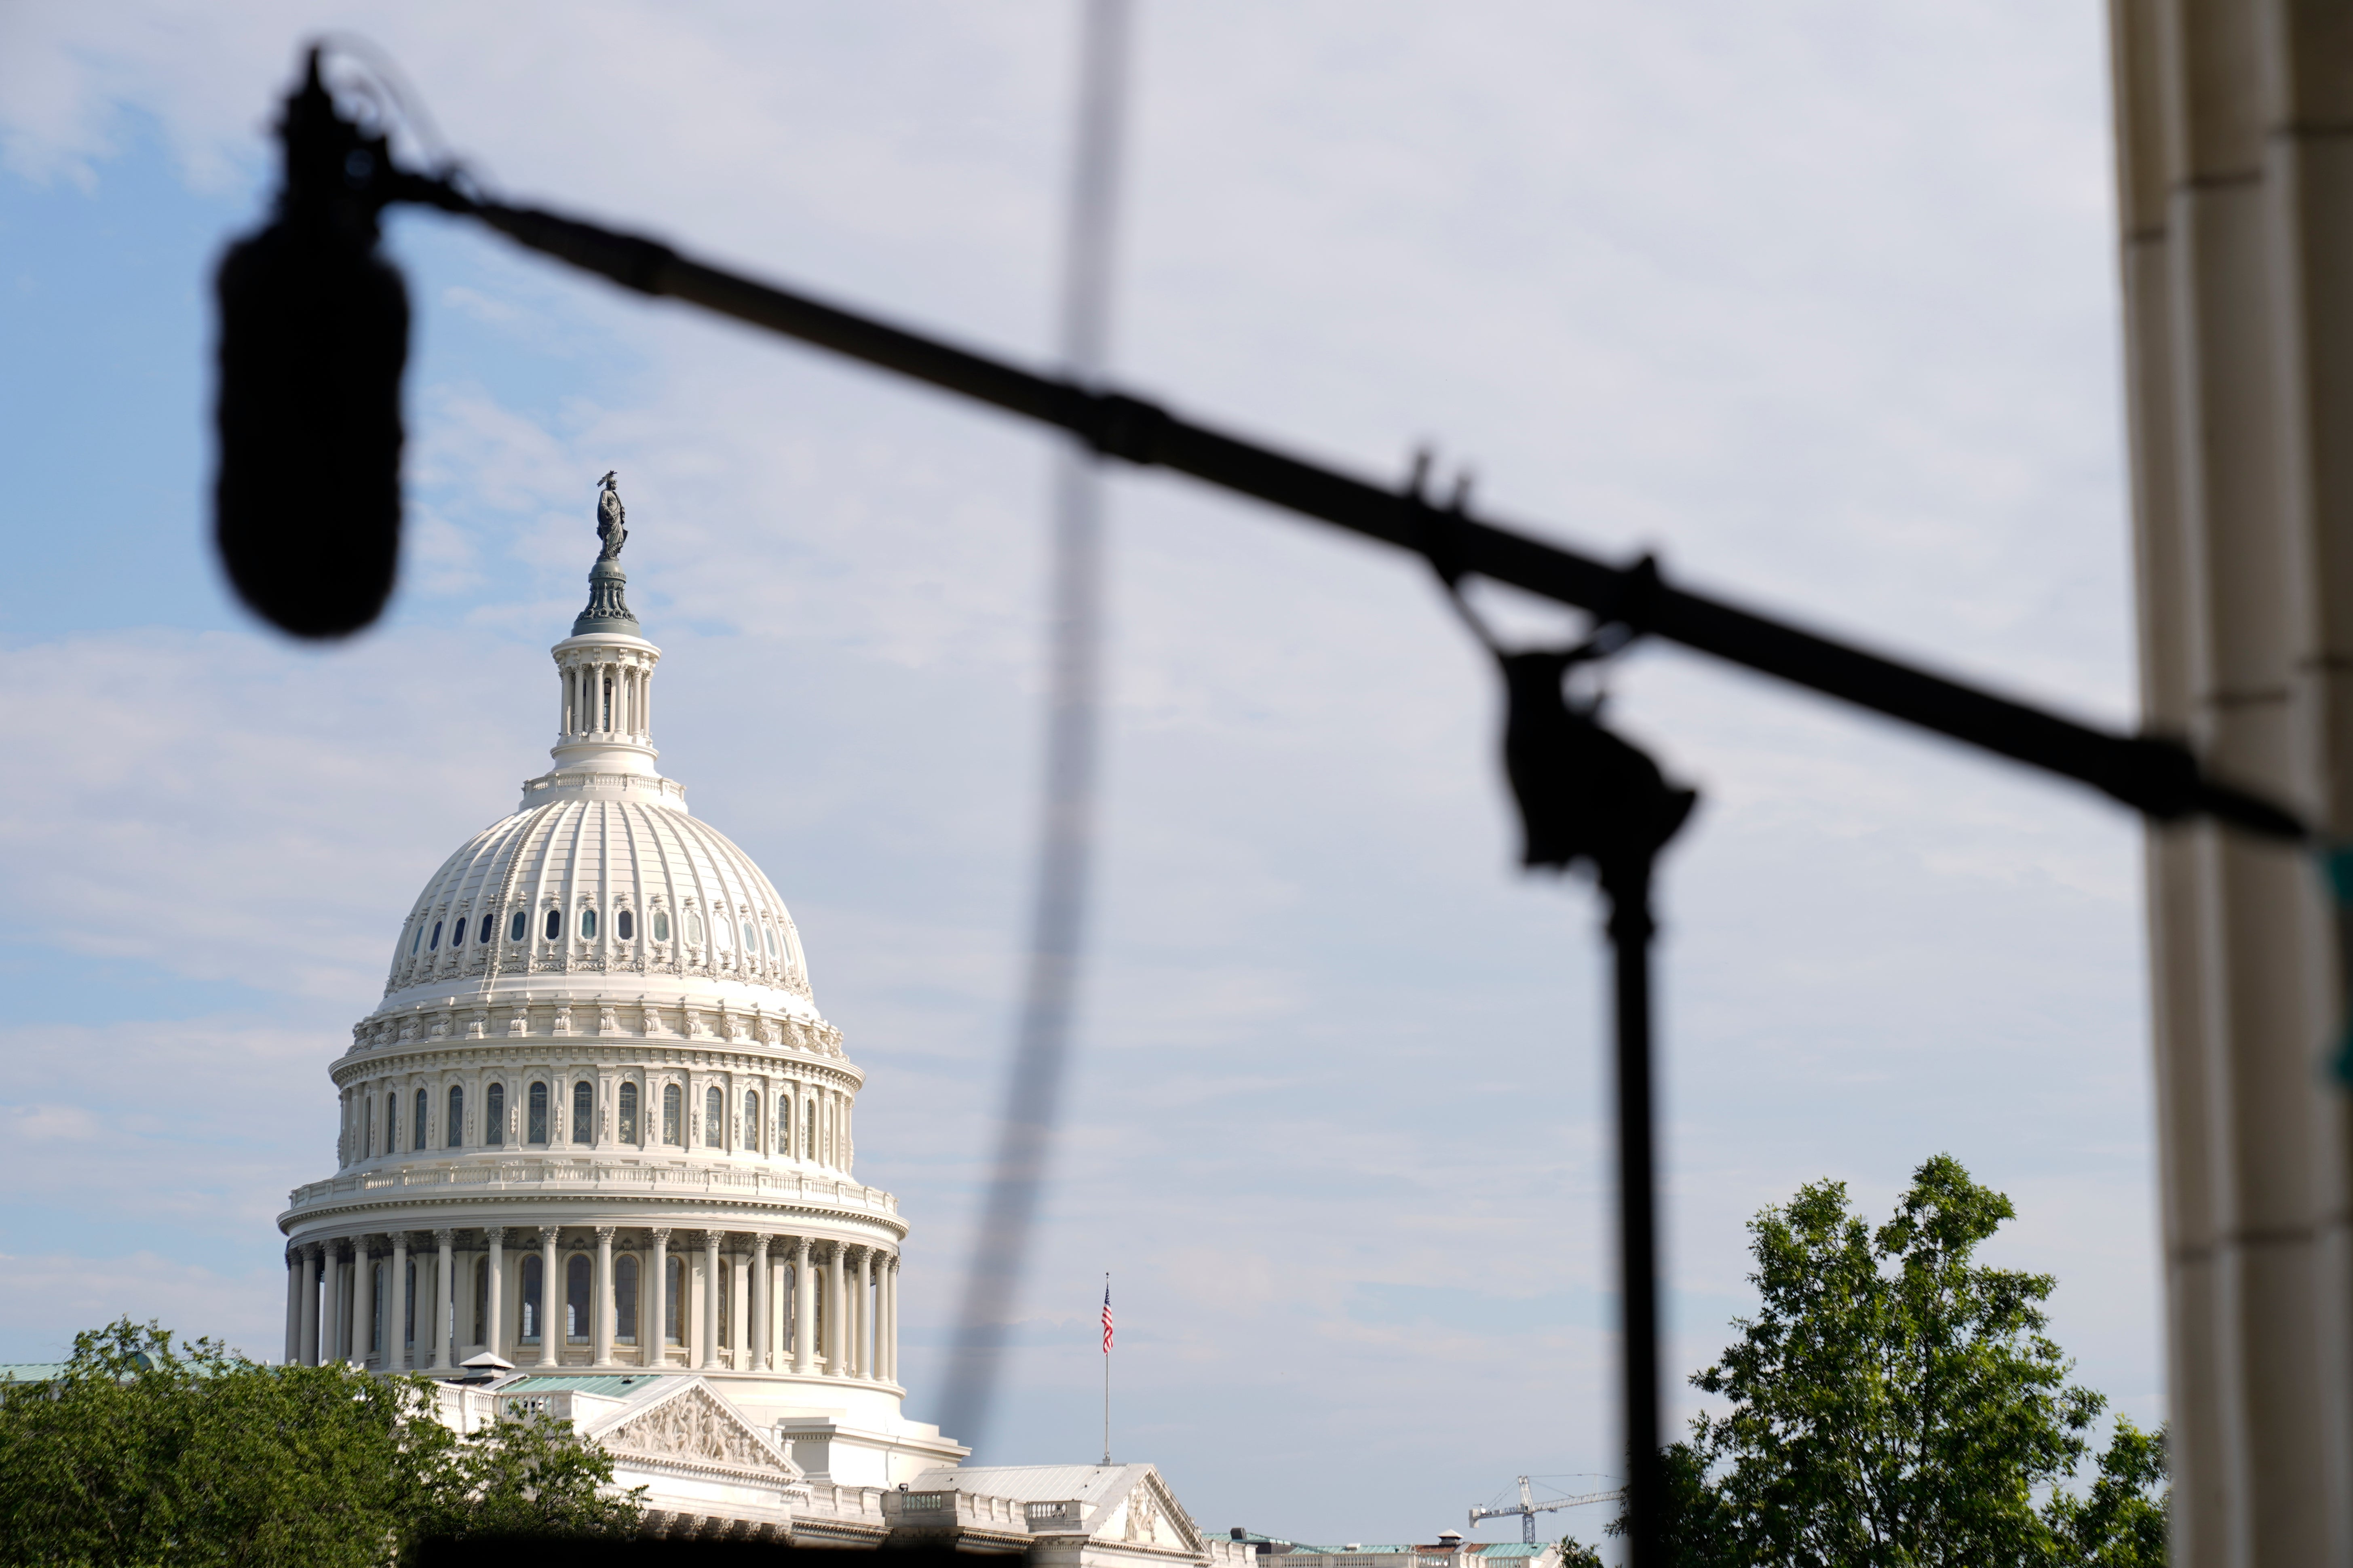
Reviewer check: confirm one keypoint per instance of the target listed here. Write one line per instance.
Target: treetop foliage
(145, 1453)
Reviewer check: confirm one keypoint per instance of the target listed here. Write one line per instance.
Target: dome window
(751, 942)
(494, 1114)
(625, 1298)
(661, 925)
(531, 1295)
(671, 1132)
(417, 1123)
(417, 940)
(435, 945)
(624, 925)
(456, 1138)
(391, 1124)
(768, 938)
(693, 927)
(587, 924)
(751, 1121)
(536, 1132)
(515, 927)
(576, 1296)
(714, 1117)
(584, 1112)
(554, 924)
(628, 1108)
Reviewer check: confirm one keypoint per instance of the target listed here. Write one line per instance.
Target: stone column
(294, 1306)
(306, 1344)
(363, 1300)
(551, 1298)
(889, 1351)
(861, 1315)
(653, 1332)
(804, 1304)
(601, 1303)
(395, 1350)
(836, 1318)
(494, 1332)
(445, 1298)
(760, 1303)
(710, 1288)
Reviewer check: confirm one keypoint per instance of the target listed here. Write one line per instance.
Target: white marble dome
(602, 888)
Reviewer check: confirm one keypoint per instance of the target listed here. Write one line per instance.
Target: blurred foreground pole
(2236, 207)
(1066, 824)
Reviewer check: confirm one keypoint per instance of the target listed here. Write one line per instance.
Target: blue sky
(1817, 300)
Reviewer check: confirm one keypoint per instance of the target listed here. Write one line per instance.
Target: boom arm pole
(2156, 776)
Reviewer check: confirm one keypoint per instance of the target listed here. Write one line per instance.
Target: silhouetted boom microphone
(313, 340)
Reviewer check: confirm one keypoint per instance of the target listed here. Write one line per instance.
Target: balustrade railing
(597, 1175)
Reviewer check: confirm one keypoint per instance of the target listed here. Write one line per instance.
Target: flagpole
(1106, 1348)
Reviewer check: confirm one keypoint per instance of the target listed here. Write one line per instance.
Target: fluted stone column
(494, 1333)
(862, 1316)
(396, 1351)
(890, 1320)
(710, 1289)
(804, 1306)
(306, 1346)
(653, 1340)
(837, 1317)
(363, 1300)
(601, 1303)
(445, 1299)
(760, 1303)
(551, 1298)
(294, 1306)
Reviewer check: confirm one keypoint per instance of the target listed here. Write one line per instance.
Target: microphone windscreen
(306, 505)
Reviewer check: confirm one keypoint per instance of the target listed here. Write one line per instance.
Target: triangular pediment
(1154, 1517)
(695, 1426)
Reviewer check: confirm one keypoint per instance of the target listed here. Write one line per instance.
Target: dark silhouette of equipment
(313, 331)
(1530, 1505)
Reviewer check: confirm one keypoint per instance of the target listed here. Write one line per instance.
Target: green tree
(1575, 1553)
(142, 1453)
(1896, 1404)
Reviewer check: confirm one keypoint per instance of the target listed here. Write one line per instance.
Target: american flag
(1106, 1317)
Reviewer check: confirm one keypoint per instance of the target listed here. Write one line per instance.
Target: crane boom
(1527, 1508)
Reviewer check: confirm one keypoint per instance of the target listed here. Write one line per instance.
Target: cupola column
(653, 1317)
(494, 1332)
(601, 1309)
(362, 1299)
(712, 1283)
(760, 1303)
(837, 1297)
(307, 1348)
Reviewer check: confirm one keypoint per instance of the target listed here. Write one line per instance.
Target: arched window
(457, 1128)
(693, 927)
(661, 925)
(531, 1271)
(624, 925)
(458, 933)
(435, 945)
(391, 1120)
(417, 940)
(587, 922)
(554, 924)
(673, 1291)
(584, 1112)
(671, 1131)
(628, 1109)
(714, 1117)
(577, 1297)
(784, 1127)
(625, 1298)
(751, 1121)
(808, 1129)
(516, 926)
(494, 1114)
(369, 1147)
(481, 1302)
(750, 941)
(768, 938)
(537, 1131)
(417, 1122)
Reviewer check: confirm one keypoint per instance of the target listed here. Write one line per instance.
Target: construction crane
(1527, 1508)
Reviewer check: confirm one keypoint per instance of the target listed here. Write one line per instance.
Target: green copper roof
(613, 1386)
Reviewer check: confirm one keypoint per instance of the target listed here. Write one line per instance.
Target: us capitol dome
(596, 1160)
